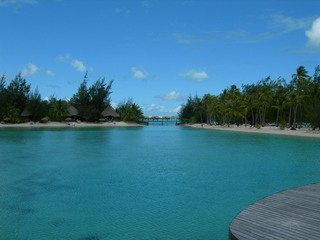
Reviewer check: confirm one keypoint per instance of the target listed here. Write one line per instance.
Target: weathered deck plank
(293, 214)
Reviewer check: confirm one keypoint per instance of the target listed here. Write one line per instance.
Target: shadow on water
(90, 237)
(27, 190)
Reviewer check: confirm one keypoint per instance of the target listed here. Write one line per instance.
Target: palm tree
(251, 102)
(279, 103)
(313, 106)
(300, 82)
(214, 109)
(264, 97)
(58, 109)
(231, 105)
(236, 110)
(129, 111)
(209, 103)
(199, 109)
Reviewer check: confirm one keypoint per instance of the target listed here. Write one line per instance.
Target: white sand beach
(303, 132)
(69, 124)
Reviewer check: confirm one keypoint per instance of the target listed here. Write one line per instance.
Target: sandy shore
(67, 124)
(303, 132)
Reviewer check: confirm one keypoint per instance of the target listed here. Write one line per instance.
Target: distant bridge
(157, 120)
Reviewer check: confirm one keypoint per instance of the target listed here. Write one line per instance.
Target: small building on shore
(72, 113)
(109, 114)
(26, 114)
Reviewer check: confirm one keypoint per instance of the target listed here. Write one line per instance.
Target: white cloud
(75, 63)
(178, 109)
(154, 110)
(172, 96)
(29, 69)
(313, 34)
(50, 73)
(154, 107)
(114, 104)
(4, 3)
(195, 75)
(78, 65)
(278, 25)
(64, 58)
(288, 24)
(138, 73)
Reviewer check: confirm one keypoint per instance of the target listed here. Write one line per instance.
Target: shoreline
(303, 132)
(68, 125)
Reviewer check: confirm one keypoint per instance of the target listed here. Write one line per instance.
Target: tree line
(17, 97)
(285, 104)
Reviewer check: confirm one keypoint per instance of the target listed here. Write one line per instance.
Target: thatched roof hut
(25, 113)
(72, 111)
(110, 112)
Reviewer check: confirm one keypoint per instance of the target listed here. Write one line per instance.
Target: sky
(157, 52)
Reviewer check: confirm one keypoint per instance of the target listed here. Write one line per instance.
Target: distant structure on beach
(160, 120)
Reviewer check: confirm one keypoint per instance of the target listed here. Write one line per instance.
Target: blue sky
(158, 52)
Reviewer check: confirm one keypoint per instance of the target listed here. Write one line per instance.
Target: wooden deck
(292, 214)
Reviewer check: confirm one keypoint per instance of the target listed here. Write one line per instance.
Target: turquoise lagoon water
(154, 182)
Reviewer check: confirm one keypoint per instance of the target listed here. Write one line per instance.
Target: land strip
(302, 132)
(68, 124)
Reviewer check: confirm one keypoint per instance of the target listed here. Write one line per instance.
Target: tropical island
(267, 106)
(90, 104)
(276, 104)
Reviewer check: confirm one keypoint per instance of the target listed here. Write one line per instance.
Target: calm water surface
(155, 182)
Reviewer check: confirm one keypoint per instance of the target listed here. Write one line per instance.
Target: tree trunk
(256, 119)
(252, 114)
(300, 111)
(260, 116)
(264, 116)
(290, 116)
(294, 117)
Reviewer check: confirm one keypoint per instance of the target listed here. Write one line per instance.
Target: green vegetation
(268, 101)
(129, 111)
(93, 100)
(20, 104)
(13, 98)
(58, 109)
